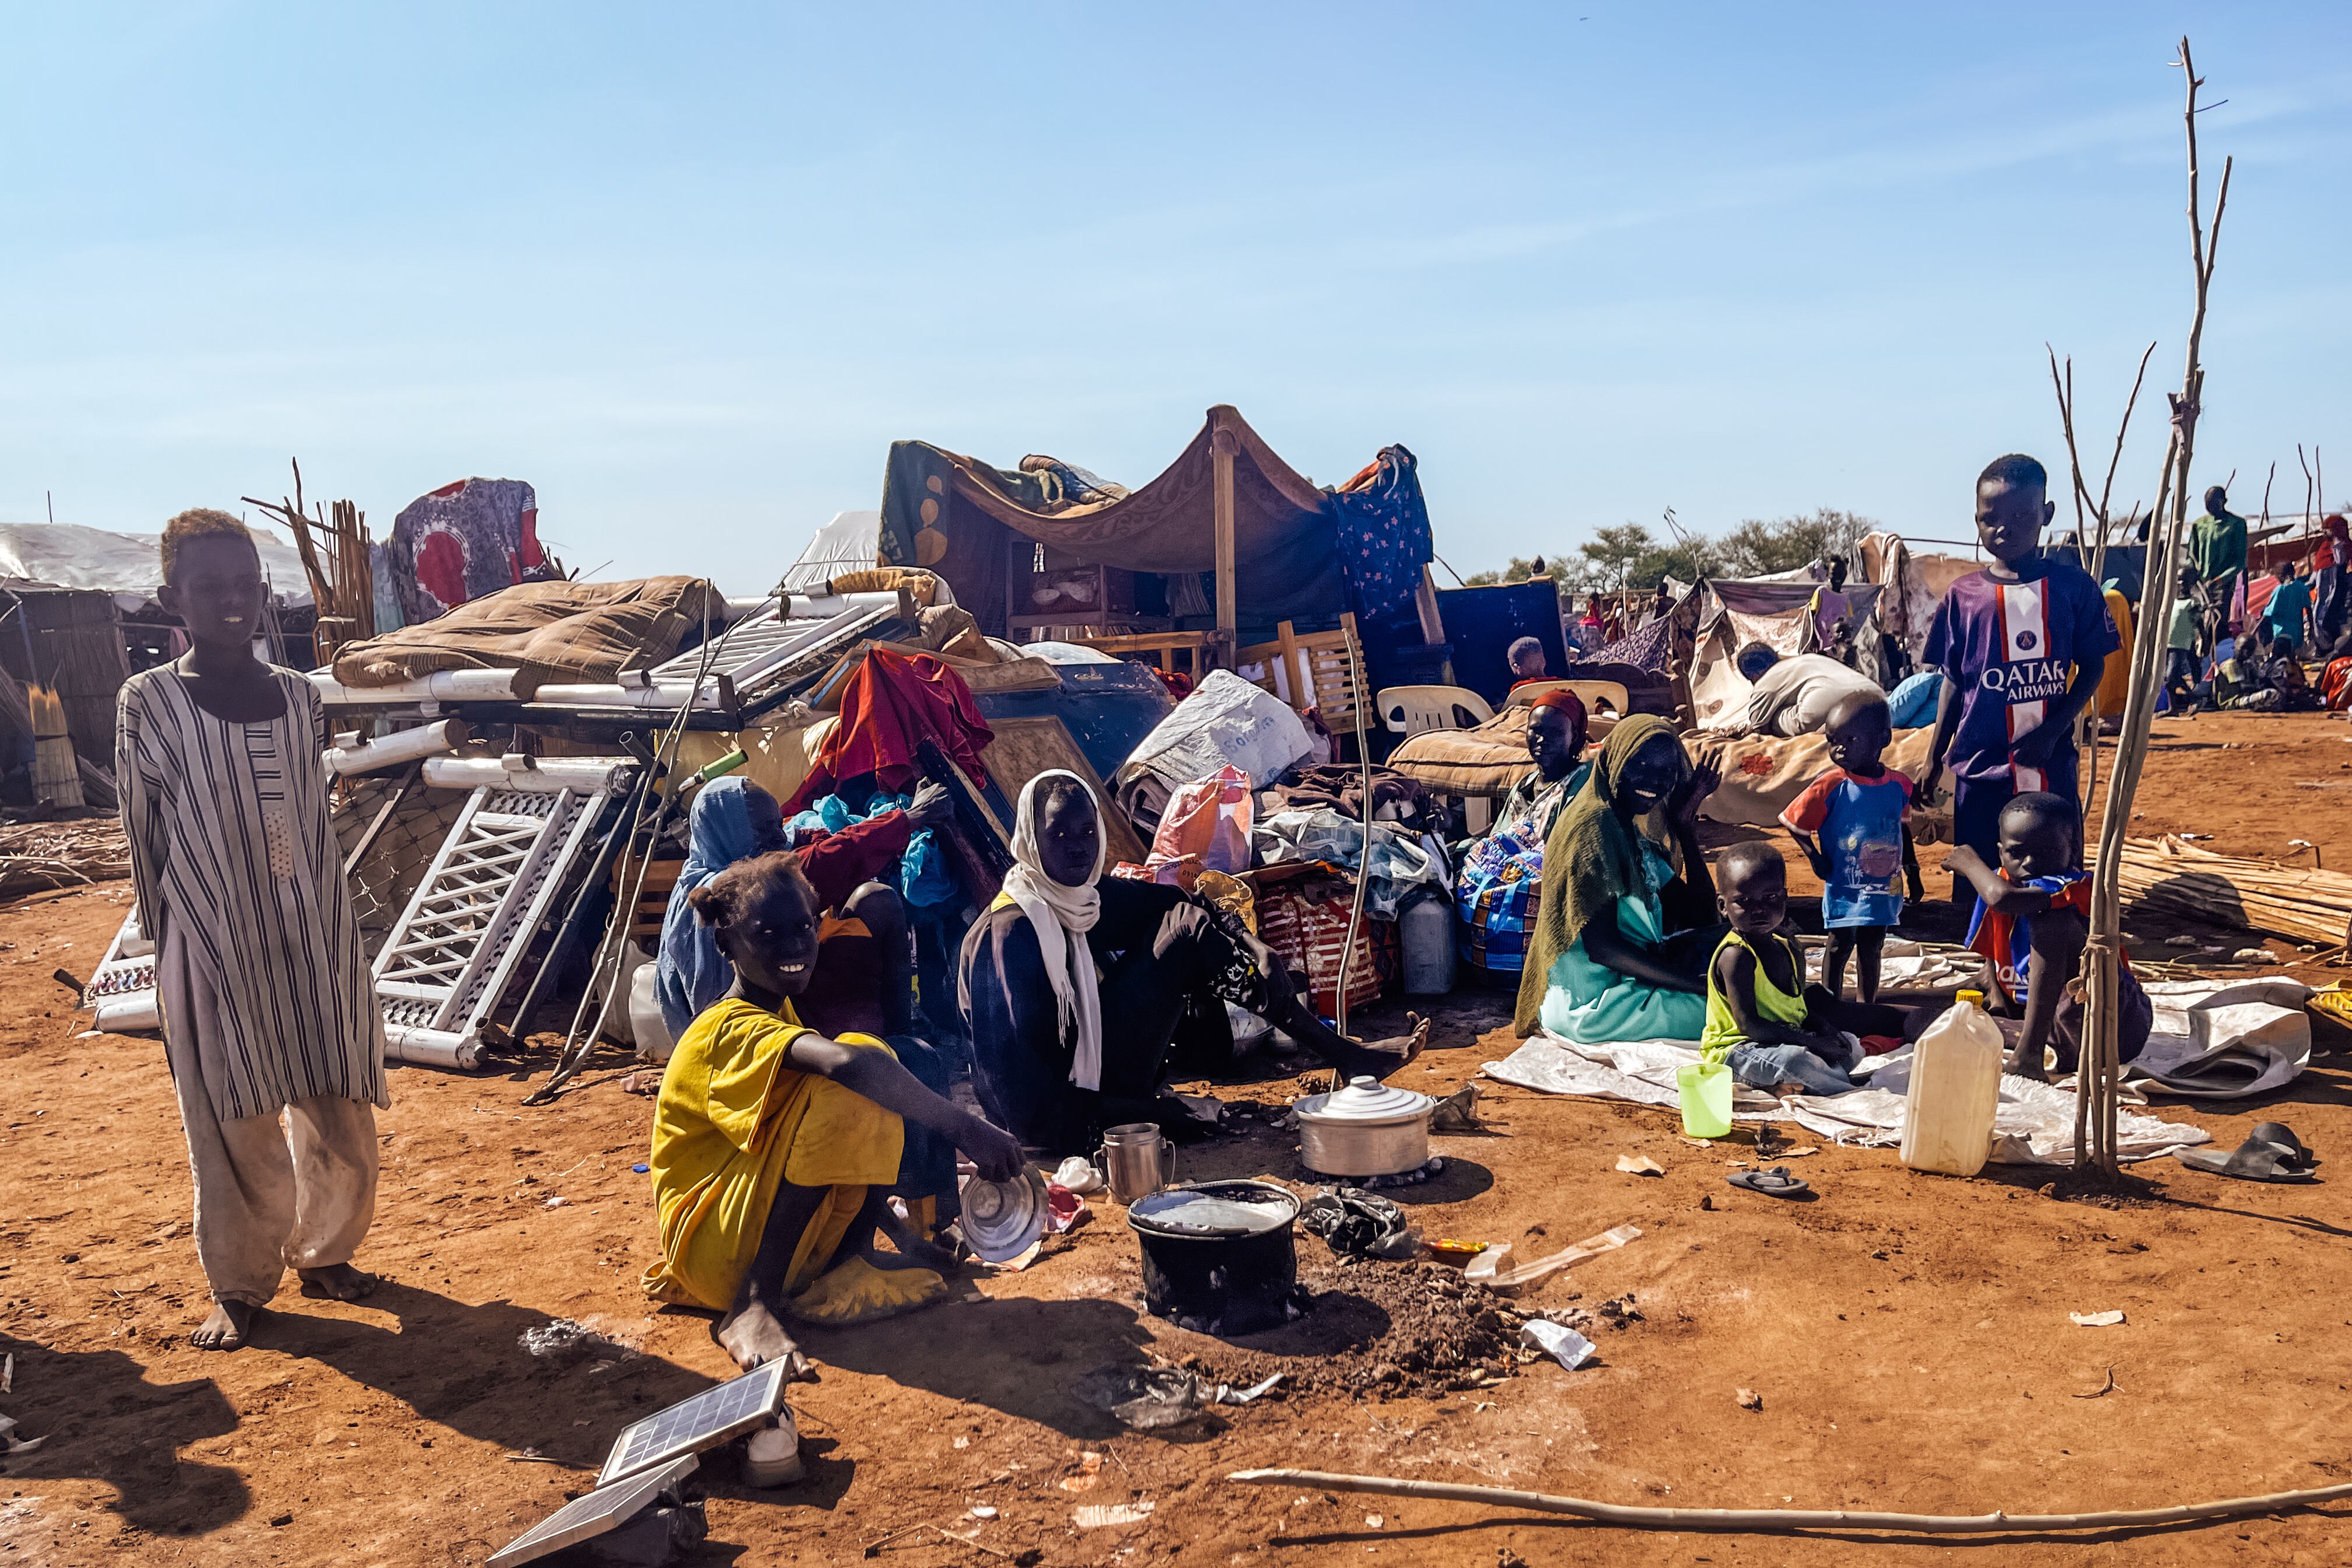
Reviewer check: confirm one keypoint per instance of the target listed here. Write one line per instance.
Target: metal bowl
(1001, 1220)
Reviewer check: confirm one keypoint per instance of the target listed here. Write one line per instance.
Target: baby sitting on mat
(1775, 1031)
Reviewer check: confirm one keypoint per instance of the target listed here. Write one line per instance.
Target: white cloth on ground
(273, 1191)
(1062, 916)
(2225, 1039)
(2033, 1124)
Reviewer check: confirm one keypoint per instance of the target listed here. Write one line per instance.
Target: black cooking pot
(1218, 1257)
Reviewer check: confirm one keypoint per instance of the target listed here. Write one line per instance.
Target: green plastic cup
(1705, 1089)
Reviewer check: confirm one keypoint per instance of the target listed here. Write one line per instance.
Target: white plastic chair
(1413, 710)
(1592, 694)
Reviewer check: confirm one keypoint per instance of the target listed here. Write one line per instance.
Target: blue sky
(689, 270)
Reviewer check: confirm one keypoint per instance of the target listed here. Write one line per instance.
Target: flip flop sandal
(2255, 1160)
(1775, 1183)
(2280, 1133)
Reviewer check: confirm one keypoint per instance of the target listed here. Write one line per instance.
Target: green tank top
(1723, 1030)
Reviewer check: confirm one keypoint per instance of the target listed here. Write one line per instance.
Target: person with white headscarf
(1073, 987)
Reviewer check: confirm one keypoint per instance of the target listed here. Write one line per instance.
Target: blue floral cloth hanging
(1381, 527)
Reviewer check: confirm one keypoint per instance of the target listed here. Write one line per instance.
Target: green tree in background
(1759, 548)
(1628, 556)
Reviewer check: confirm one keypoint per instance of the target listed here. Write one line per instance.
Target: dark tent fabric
(1483, 623)
(958, 516)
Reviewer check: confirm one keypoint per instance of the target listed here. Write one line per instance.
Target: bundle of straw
(2179, 878)
(335, 556)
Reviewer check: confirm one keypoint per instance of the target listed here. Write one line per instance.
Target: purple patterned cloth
(461, 542)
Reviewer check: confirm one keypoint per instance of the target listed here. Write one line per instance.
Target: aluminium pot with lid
(1368, 1129)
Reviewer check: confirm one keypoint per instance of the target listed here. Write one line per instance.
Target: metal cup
(1137, 1161)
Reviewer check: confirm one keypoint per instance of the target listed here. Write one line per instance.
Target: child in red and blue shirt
(2032, 917)
(1856, 808)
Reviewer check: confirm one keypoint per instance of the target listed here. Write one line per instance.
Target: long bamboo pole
(2099, 1069)
(1780, 1518)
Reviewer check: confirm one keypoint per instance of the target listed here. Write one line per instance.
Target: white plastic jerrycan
(1955, 1087)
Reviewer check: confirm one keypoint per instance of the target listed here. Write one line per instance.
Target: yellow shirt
(735, 1120)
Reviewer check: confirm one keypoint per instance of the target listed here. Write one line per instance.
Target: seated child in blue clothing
(1857, 808)
(2031, 918)
(1772, 1028)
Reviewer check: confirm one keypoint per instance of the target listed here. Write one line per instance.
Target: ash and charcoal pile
(1390, 1329)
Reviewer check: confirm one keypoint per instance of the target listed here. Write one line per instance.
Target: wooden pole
(1222, 446)
(2098, 1069)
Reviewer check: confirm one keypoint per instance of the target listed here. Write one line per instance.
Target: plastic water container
(1955, 1089)
(1706, 1089)
(1425, 929)
(650, 1030)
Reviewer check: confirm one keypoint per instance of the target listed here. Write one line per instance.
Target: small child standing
(2180, 645)
(1762, 1020)
(2033, 916)
(1850, 824)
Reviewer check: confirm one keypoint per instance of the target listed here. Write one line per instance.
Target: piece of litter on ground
(2180, 942)
(641, 1169)
(963, 1442)
(12, 1444)
(8, 1373)
(1750, 1400)
(1096, 1515)
(2095, 1320)
(1639, 1165)
(1558, 1341)
(2103, 1389)
(557, 1203)
(983, 1511)
(1374, 1521)
(2253, 955)
(1089, 1472)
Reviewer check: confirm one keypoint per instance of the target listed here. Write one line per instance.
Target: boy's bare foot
(2020, 1068)
(227, 1327)
(336, 1282)
(914, 1252)
(753, 1336)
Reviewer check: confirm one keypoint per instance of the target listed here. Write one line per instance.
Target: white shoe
(773, 1457)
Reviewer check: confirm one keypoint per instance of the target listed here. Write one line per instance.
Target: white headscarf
(1063, 915)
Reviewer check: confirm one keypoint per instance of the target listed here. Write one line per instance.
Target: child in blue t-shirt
(1850, 824)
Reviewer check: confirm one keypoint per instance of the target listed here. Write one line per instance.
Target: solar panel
(705, 1421)
(606, 1509)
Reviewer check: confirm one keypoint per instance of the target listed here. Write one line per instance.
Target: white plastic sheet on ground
(2033, 1125)
(2225, 1039)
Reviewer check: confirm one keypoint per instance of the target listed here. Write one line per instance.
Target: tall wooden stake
(2099, 1070)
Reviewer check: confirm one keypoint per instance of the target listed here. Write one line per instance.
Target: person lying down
(773, 1145)
(1073, 987)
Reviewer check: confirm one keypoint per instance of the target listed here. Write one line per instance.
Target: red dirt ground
(1908, 1334)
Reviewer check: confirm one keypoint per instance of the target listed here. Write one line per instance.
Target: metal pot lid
(1206, 1210)
(1366, 1101)
(1002, 1219)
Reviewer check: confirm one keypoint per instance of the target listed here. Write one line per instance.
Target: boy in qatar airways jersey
(2021, 645)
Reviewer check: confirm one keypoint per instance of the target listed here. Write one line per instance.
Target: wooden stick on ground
(1780, 1518)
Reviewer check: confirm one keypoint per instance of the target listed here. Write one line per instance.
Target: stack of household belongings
(1763, 775)
(1227, 722)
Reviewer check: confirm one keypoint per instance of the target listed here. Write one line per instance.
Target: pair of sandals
(2272, 1153)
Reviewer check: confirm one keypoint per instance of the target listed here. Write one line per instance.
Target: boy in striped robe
(270, 1022)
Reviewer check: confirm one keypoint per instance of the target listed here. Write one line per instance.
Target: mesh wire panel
(387, 875)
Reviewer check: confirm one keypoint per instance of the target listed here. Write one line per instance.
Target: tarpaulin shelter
(1227, 506)
(1725, 616)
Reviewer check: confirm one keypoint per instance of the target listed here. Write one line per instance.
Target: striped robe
(241, 882)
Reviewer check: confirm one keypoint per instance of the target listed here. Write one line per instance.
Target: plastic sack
(1400, 861)
(1208, 823)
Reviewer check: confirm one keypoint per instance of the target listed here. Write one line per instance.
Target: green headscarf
(1591, 859)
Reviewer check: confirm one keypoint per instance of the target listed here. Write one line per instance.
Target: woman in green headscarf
(1622, 936)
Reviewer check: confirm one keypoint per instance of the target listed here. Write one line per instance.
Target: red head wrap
(1568, 702)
